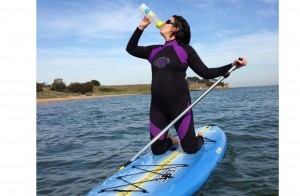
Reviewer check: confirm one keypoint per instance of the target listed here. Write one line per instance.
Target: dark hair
(184, 33)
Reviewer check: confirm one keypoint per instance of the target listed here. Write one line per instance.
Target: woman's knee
(158, 151)
(192, 148)
(160, 147)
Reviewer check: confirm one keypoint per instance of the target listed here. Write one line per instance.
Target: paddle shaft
(180, 116)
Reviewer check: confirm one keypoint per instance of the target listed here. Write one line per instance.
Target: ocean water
(82, 142)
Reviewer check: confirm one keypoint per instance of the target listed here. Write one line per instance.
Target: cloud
(271, 1)
(213, 3)
(108, 65)
(87, 41)
(115, 66)
(104, 21)
(259, 45)
(261, 50)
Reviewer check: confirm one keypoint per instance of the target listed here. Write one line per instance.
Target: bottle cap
(159, 24)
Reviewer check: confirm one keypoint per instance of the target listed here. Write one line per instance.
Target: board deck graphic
(166, 174)
(150, 175)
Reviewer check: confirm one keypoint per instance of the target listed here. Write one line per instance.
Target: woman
(170, 93)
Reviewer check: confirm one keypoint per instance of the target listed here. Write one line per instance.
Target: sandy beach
(41, 101)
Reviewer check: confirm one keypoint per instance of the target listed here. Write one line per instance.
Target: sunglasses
(170, 22)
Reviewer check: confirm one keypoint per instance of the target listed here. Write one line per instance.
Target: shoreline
(70, 98)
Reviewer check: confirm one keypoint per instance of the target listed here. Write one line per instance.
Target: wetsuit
(170, 93)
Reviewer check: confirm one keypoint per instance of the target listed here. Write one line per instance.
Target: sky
(80, 41)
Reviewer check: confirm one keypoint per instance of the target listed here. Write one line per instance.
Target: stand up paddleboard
(173, 173)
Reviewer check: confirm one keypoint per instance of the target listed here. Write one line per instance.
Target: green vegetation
(58, 85)
(58, 89)
(81, 88)
(93, 88)
(208, 83)
(95, 83)
(125, 89)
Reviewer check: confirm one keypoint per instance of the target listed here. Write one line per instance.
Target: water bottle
(153, 18)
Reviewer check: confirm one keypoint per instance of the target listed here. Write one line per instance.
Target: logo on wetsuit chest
(161, 62)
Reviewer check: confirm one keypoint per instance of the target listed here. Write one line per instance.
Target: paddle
(181, 115)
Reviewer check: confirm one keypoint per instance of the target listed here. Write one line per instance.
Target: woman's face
(168, 28)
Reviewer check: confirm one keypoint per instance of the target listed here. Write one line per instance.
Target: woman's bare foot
(174, 140)
(200, 134)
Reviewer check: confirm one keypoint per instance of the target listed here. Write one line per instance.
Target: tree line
(74, 87)
(196, 80)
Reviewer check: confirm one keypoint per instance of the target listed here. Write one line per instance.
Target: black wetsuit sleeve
(133, 48)
(197, 65)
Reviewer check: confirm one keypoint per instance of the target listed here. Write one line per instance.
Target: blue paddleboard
(173, 173)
